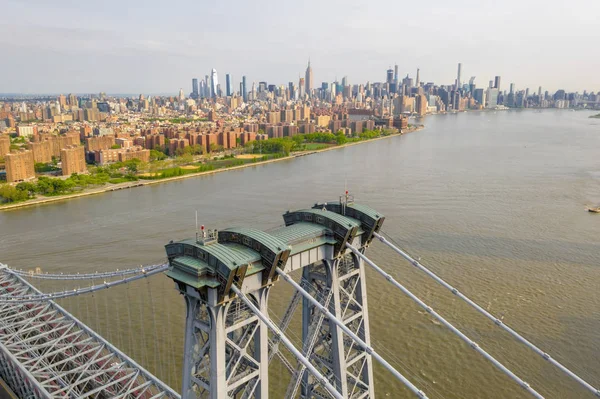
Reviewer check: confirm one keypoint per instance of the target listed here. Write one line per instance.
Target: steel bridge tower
(227, 347)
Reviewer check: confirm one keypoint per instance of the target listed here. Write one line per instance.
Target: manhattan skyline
(68, 46)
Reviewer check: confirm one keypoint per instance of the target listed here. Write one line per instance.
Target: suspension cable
(7, 299)
(357, 339)
(455, 330)
(265, 319)
(490, 316)
(81, 276)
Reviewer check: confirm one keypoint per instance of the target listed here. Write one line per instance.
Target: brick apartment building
(73, 160)
(42, 151)
(99, 143)
(104, 157)
(4, 145)
(19, 166)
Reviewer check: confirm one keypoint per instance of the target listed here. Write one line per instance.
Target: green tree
(216, 147)
(187, 159)
(9, 194)
(156, 155)
(29, 188)
(133, 165)
(115, 146)
(44, 186)
(340, 138)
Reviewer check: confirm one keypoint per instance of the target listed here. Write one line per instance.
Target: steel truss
(226, 349)
(45, 352)
(340, 286)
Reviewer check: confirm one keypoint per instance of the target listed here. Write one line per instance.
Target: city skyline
(154, 49)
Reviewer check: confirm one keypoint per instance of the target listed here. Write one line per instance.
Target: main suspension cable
(490, 316)
(455, 330)
(355, 337)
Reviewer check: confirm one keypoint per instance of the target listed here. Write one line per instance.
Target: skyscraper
(497, 83)
(407, 82)
(202, 89)
(214, 81)
(390, 76)
(458, 76)
(418, 81)
(302, 87)
(396, 73)
(491, 97)
(194, 88)
(244, 89)
(308, 79)
(479, 96)
(228, 85)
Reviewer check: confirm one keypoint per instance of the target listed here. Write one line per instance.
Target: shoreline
(143, 183)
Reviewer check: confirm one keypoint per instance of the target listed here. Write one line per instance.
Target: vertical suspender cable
(456, 331)
(156, 336)
(130, 343)
(490, 316)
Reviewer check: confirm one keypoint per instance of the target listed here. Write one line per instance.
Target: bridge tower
(341, 282)
(227, 347)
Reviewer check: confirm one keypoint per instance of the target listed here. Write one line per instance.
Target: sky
(131, 46)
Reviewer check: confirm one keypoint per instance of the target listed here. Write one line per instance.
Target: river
(494, 202)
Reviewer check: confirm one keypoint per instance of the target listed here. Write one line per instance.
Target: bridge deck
(45, 352)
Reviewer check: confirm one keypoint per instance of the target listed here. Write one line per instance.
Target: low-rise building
(26, 130)
(104, 157)
(124, 142)
(135, 152)
(99, 143)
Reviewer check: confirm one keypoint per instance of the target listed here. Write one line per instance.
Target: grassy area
(316, 146)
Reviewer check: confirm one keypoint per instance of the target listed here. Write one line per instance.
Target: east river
(494, 202)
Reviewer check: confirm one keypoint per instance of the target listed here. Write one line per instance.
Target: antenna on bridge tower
(196, 226)
(346, 198)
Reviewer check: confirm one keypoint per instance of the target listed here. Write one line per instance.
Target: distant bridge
(225, 278)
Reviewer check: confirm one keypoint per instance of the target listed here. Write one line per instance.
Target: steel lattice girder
(45, 352)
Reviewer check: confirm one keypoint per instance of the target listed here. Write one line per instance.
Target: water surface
(492, 201)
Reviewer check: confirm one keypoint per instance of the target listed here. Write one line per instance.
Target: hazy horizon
(146, 47)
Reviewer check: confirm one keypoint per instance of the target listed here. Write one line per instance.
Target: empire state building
(308, 82)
